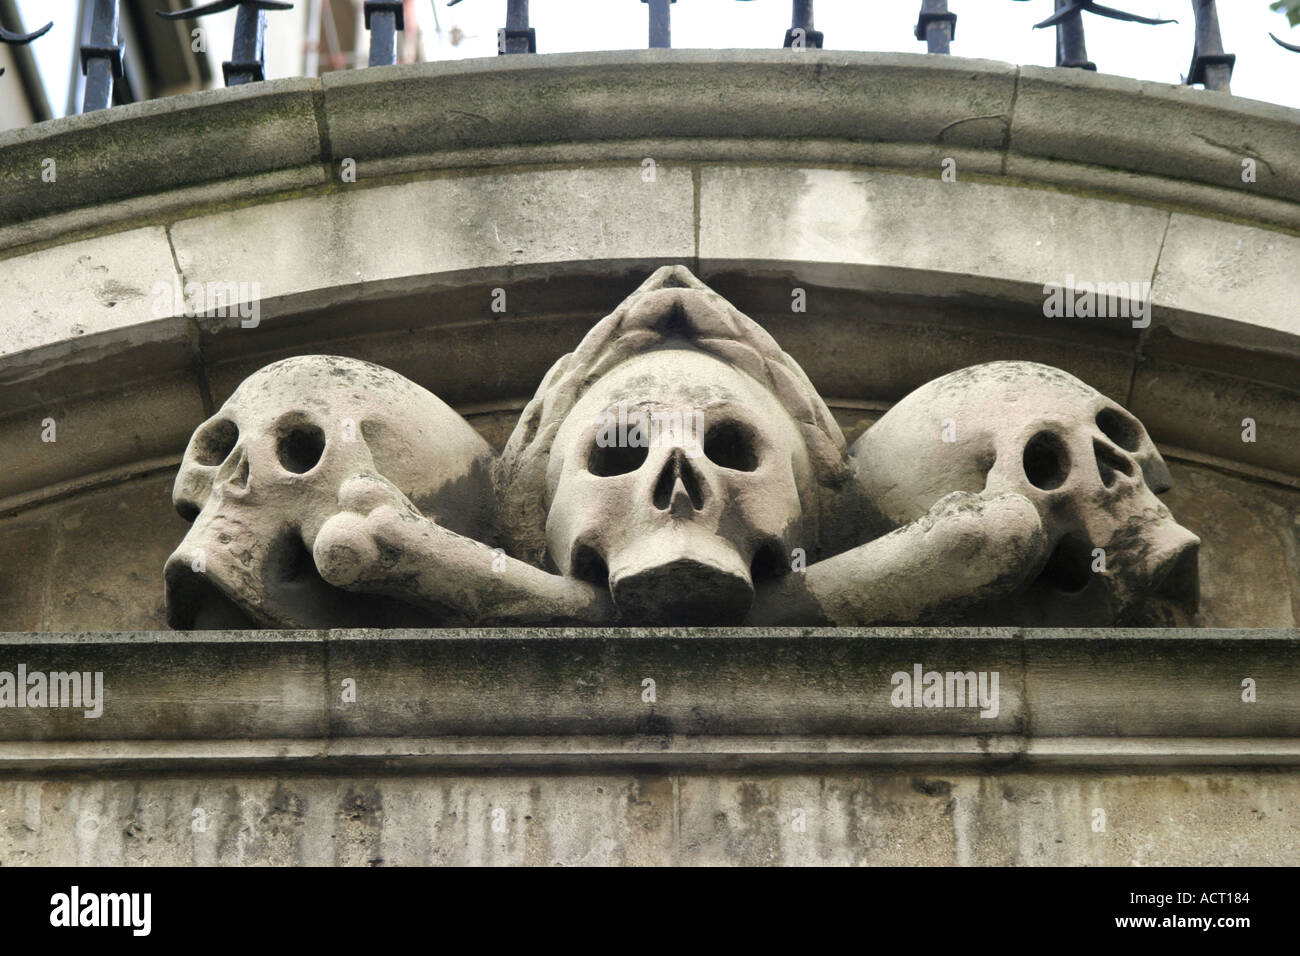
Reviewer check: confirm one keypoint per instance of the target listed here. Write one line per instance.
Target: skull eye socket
(731, 445)
(1120, 428)
(300, 447)
(214, 444)
(606, 461)
(1046, 461)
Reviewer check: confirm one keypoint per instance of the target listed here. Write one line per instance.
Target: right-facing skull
(1087, 465)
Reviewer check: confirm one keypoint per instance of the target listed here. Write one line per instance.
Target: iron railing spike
(1210, 67)
(801, 34)
(22, 39)
(384, 18)
(1286, 46)
(101, 57)
(936, 26)
(1071, 44)
(221, 6)
(247, 59)
(1073, 7)
(661, 19)
(516, 36)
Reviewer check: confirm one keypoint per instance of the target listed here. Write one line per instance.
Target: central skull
(675, 478)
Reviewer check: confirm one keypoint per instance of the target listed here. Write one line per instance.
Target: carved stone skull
(676, 521)
(1086, 463)
(262, 475)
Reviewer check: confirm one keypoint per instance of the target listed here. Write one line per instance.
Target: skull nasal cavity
(1110, 464)
(678, 466)
(300, 448)
(1046, 461)
(234, 471)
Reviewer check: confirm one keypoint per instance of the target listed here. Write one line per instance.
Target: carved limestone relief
(676, 468)
(262, 475)
(1088, 467)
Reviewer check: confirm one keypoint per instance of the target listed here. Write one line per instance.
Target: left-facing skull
(262, 475)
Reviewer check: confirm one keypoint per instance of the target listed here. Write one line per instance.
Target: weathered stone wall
(773, 746)
(859, 818)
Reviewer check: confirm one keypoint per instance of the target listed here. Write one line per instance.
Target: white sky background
(988, 29)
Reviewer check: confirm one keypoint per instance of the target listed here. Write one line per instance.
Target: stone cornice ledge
(1149, 699)
(147, 161)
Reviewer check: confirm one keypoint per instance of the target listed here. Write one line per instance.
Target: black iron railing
(102, 48)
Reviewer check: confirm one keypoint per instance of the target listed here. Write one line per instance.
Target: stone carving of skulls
(1087, 465)
(262, 475)
(676, 521)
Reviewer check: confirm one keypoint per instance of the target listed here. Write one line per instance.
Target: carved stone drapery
(676, 468)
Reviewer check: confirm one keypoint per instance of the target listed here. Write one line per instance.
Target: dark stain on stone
(932, 788)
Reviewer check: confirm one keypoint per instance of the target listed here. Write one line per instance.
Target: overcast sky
(991, 29)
